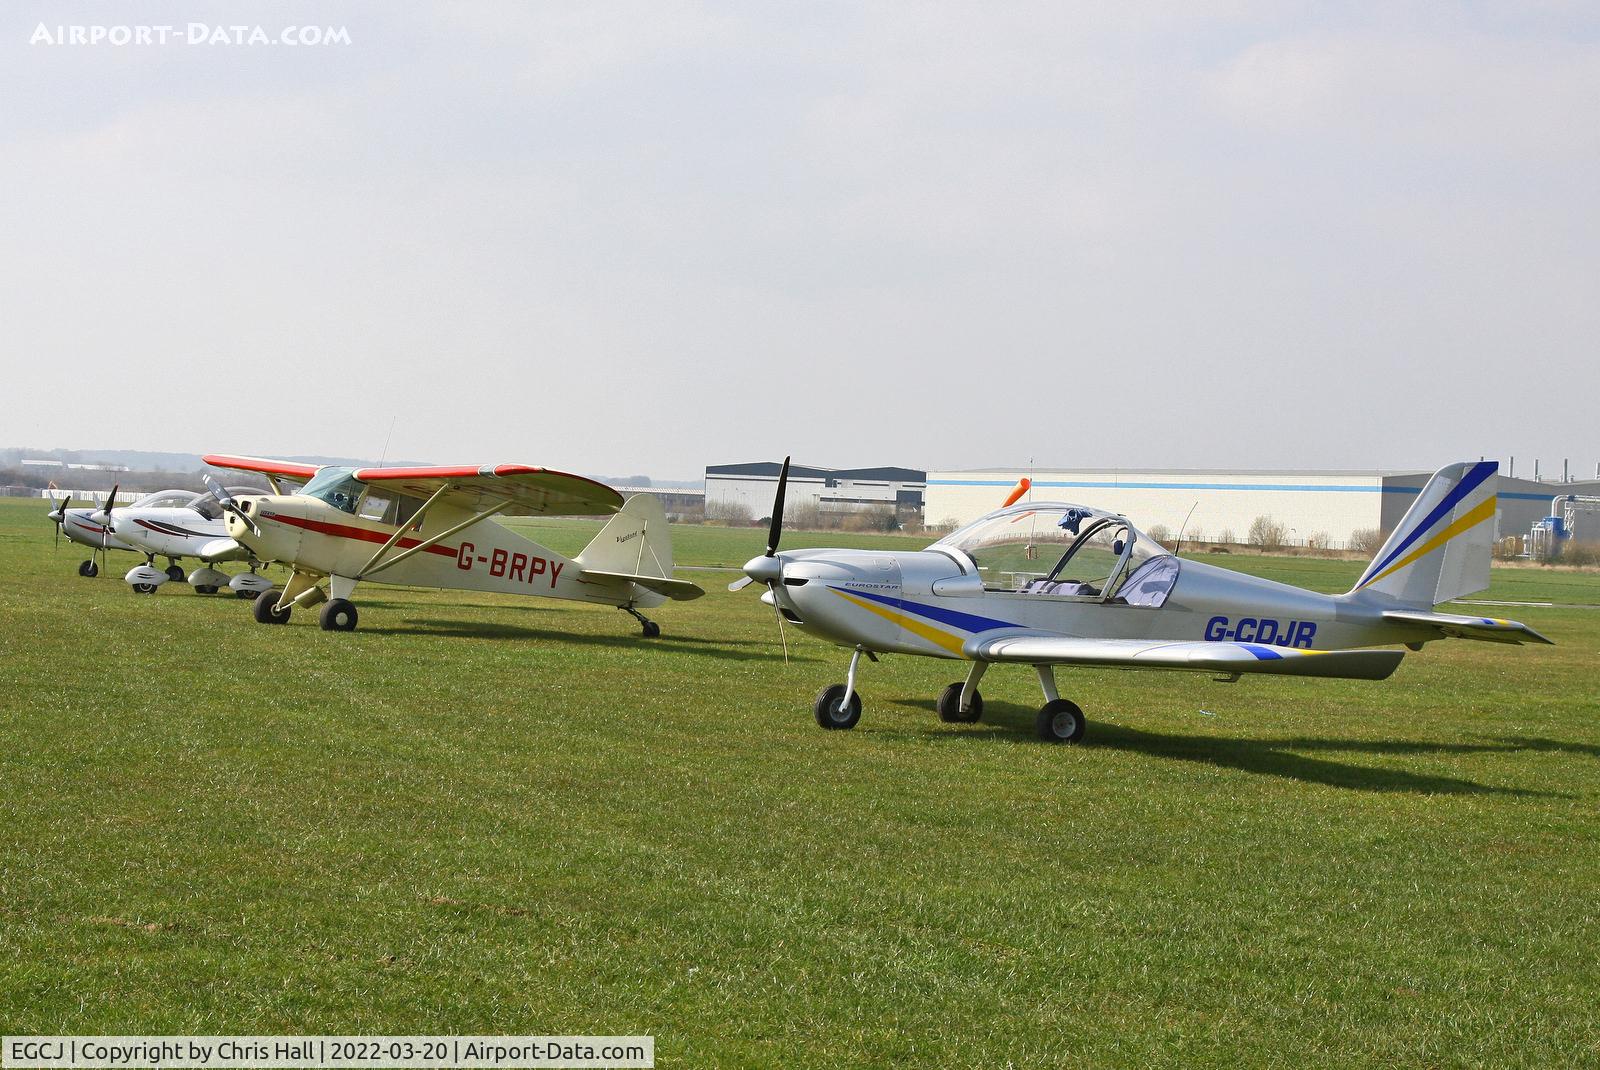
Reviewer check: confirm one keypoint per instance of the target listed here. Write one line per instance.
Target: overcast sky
(647, 237)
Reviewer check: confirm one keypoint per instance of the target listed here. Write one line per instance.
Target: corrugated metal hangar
(1334, 505)
(830, 490)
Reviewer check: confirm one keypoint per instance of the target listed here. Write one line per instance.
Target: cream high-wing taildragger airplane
(1048, 583)
(431, 527)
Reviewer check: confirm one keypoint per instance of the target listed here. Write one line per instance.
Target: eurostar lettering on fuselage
(502, 564)
(1295, 633)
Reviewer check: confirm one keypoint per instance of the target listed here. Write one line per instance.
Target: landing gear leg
(960, 703)
(651, 629)
(839, 705)
(1059, 720)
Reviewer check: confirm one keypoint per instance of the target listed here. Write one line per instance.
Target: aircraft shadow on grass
(466, 629)
(1281, 757)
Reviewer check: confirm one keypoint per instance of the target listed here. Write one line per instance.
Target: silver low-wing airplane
(431, 527)
(1051, 583)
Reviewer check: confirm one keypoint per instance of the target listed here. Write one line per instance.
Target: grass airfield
(488, 814)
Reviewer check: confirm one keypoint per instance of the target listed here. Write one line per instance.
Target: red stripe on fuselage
(345, 531)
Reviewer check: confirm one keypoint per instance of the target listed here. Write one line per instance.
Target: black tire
(652, 630)
(205, 588)
(949, 706)
(829, 711)
(145, 588)
(89, 569)
(338, 615)
(244, 594)
(266, 608)
(1060, 721)
(175, 573)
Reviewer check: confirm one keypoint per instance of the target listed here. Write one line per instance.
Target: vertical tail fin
(1441, 549)
(634, 542)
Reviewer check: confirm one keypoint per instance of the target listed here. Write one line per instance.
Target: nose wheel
(89, 568)
(175, 572)
(837, 708)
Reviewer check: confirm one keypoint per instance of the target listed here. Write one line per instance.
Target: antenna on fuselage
(1184, 527)
(384, 456)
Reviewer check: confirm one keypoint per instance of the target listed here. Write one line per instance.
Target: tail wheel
(338, 615)
(266, 609)
(949, 705)
(1060, 721)
(89, 568)
(833, 712)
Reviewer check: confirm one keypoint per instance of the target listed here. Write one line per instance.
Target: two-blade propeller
(229, 504)
(767, 568)
(59, 515)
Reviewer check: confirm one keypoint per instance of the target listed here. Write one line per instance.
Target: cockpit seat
(1150, 583)
(1067, 588)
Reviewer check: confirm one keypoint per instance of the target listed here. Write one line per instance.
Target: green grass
(485, 814)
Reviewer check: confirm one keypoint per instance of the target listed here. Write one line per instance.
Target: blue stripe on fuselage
(969, 622)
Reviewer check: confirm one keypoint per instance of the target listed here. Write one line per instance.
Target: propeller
(767, 568)
(103, 518)
(59, 515)
(226, 500)
(755, 569)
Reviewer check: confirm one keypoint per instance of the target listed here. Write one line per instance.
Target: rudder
(1442, 547)
(635, 541)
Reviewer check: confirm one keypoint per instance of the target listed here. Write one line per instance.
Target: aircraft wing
(1451, 626)
(528, 491)
(1229, 659)
(292, 469)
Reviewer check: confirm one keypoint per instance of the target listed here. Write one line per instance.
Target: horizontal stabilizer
(1452, 626)
(678, 590)
(1223, 658)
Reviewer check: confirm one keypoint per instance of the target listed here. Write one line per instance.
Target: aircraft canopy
(1057, 548)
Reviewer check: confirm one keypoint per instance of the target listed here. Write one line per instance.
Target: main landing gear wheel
(145, 588)
(266, 609)
(338, 615)
(175, 572)
(832, 711)
(244, 594)
(1060, 721)
(949, 705)
(205, 589)
(89, 568)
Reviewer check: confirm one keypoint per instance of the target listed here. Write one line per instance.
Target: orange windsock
(1023, 486)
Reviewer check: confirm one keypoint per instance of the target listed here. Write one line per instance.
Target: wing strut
(375, 565)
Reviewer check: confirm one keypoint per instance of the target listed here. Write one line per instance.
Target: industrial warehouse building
(1314, 507)
(750, 487)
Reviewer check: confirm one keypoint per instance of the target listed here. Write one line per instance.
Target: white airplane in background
(430, 526)
(173, 524)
